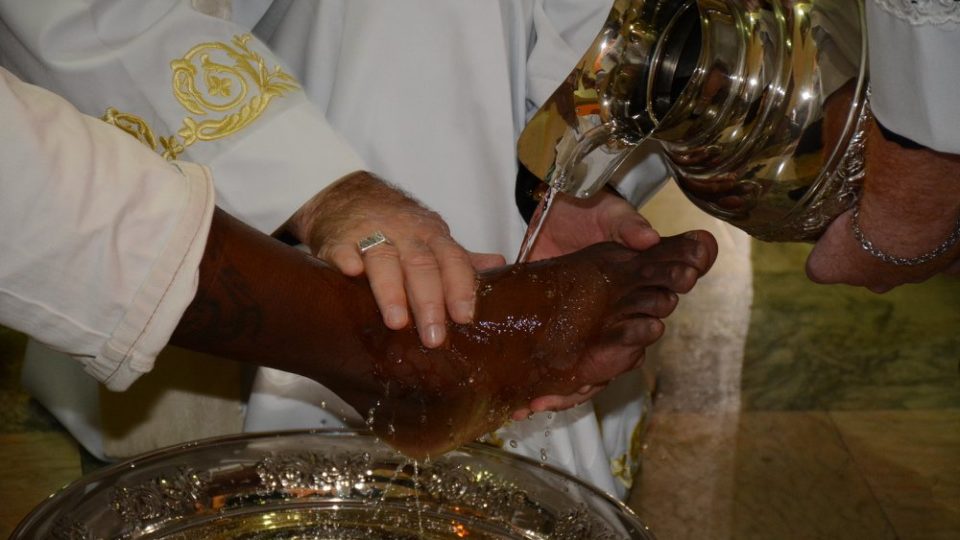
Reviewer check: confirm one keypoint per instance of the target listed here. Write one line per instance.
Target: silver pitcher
(759, 106)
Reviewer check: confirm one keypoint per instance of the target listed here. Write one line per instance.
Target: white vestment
(101, 238)
(914, 71)
(429, 94)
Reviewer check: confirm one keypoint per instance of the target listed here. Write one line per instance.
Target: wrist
(916, 189)
(341, 194)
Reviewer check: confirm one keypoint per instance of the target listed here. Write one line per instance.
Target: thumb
(635, 232)
(825, 262)
(485, 261)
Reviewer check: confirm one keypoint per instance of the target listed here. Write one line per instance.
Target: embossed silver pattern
(328, 485)
(753, 104)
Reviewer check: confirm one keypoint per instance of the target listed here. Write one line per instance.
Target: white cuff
(913, 76)
(169, 288)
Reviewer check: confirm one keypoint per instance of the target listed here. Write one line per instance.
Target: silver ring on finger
(367, 243)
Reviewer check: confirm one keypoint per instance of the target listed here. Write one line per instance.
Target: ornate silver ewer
(759, 107)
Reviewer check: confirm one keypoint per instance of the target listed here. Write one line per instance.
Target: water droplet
(323, 404)
(543, 454)
(546, 433)
(513, 443)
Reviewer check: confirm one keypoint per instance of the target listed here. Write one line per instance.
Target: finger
(346, 257)
(424, 285)
(559, 403)
(879, 289)
(485, 261)
(824, 262)
(636, 233)
(382, 264)
(521, 414)
(459, 279)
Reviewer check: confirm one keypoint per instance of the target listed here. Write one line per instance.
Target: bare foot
(544, 329)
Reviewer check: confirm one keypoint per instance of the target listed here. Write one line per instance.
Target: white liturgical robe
(429, 94)
(915, 69)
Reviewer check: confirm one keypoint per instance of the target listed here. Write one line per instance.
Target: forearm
(915, 188)
(263, 302)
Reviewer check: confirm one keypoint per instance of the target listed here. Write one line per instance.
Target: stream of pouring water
(536, 224)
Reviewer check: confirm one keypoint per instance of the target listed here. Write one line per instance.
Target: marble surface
(841, 348)
(911, 461)
(34, 466)
(845, 424)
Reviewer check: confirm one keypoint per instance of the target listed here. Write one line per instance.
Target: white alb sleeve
(193, 86)
(101, 238)
(915, 71)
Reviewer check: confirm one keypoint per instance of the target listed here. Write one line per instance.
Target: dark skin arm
(542, 328)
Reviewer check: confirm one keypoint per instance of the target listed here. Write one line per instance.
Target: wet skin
(543, 328)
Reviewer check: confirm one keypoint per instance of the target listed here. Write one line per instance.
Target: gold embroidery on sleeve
(237, 86)
(227, 88)
(132, 124)
(141, 131)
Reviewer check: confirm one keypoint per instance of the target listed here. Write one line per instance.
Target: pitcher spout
(607, 105)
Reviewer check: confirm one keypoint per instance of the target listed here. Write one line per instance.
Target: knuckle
(421, 261)
(456, 255)
(387, 288)
(429, 311)
(383, 253)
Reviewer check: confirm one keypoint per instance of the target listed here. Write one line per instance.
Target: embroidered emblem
(238, 92)
(141, 130)
(224, 87)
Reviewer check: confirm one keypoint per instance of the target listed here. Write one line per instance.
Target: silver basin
(328, 485)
